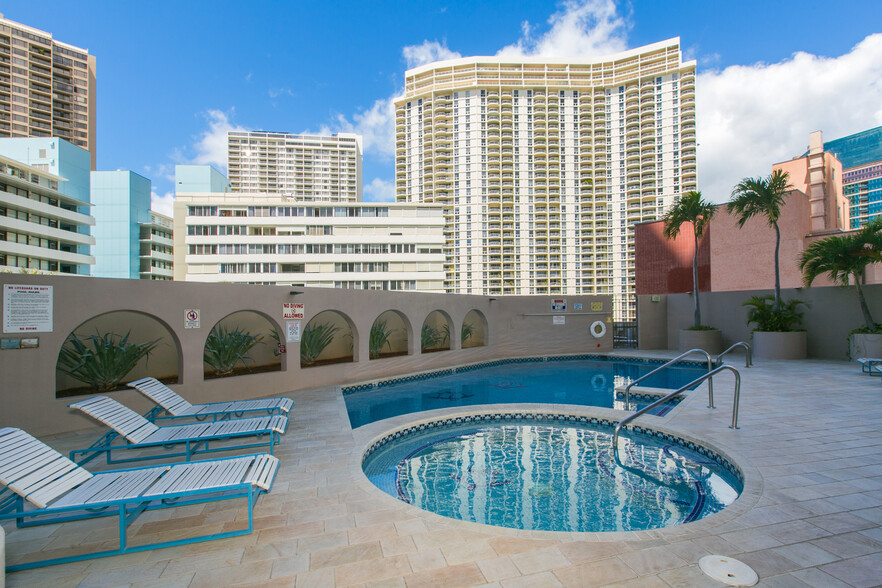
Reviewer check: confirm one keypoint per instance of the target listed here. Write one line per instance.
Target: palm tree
(844, 257)
(690, 209)
(763, 197)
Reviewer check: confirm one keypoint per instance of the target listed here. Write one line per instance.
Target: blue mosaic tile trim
(565, 419)
(477, 366)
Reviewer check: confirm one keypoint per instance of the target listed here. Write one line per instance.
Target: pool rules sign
(27, 309)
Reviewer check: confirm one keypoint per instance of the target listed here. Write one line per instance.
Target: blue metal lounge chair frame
(170, 405)
(869, 364)
(44, 487)
(138, 433)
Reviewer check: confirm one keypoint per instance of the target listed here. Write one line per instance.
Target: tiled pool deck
(810, 443)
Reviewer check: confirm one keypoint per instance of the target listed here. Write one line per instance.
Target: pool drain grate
(728, 570)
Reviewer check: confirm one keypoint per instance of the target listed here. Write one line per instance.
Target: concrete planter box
(789, 345)
(711, 341)
(865, 345)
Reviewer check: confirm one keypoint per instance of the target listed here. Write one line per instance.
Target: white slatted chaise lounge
(139, 433)
(176, 407)
(43, 487)
(869, 363)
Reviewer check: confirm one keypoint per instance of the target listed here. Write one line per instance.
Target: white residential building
(260, 238)
(41, 229)
(303, 167)
(543, 166)
(157, 247)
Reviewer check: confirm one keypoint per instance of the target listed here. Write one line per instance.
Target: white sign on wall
(292, 311)
(292, 331)
(558, 319)
(27, 309)
(191, 318)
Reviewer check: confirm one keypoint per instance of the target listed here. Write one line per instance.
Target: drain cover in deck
(728, 570)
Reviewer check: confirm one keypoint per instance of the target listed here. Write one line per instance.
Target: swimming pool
(587, 381)
(551, 473)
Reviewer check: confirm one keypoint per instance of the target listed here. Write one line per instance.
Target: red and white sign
(292, 311)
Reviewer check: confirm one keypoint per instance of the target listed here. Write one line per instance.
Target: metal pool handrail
(710, 375)
(710, 385)
(748, 361)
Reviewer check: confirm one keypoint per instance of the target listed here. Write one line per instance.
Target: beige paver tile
(194, 563)
(397, 546)
(166, 582)
(539, 560)
(596, 573)
(322, 542)
(751, 539)
(390, 583)
(316, 578)
(372, 532)
(849, 545)
(269, 551)
(430, 559)
(540, 580)
(510, 545)
(461, 575)
(372, 570)
(806, 554)
(410, 526)
(230, 576)
(584, 551)
(862, 572)
(343, 555)
(652, 560)
(498, 568)
(467, 551)
(289, 532)
(115, 577)
(290, 565)
(818, 579)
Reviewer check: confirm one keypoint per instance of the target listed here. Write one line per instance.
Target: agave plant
(314, 340)
(224, 348)
(763, 313)
(468, 329)
(379, 338)
(429, 337)
(102, 361)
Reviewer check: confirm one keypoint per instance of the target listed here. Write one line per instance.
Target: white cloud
(750, 117)
(427, 52)
(379, 190)
(376, 125)
(162, 204)
(211, 147)
(579, 29)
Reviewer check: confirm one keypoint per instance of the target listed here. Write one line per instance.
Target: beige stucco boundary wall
(832, 313)
(27, 376)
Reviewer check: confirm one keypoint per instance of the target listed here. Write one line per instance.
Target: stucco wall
(28, 376)
(832, 313)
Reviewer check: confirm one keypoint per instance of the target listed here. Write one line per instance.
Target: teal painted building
(200, 179)
(861, 157)
(121, 204)
(73, 164)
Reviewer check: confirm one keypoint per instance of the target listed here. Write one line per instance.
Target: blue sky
(174, 76)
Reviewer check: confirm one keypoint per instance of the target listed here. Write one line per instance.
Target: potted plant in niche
(691, 208)
(778, 334)
(844, 258)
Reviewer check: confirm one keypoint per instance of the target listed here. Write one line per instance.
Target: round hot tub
(551, 473)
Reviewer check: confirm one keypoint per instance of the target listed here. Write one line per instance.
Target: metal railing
(706, 376)
(710, 385)
(748, 361)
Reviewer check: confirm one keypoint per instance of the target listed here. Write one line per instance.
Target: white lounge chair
(869, 363)
(58, 490)
(139, 433)
(176, 407)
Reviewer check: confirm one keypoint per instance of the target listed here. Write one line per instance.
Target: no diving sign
(191, 318)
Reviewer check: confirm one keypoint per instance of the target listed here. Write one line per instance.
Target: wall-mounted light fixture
(492, 299)
(295, 292)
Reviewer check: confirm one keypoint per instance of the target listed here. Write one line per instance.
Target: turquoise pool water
(584, 382)
(552, 476)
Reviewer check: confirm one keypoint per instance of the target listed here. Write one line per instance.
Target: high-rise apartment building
(157, 247)
(543, 166)
(47, 88)
(302, 167)
(861, 157)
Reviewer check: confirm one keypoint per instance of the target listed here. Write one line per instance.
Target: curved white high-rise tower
(545, 165)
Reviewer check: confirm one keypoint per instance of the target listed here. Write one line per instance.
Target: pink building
(733, 259)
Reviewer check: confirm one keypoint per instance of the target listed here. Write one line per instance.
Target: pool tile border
(527, 416)
(360, 387)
